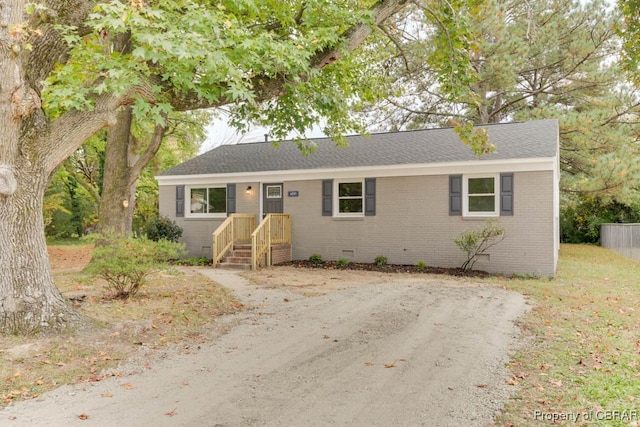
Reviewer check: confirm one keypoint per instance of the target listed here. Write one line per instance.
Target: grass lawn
(582, 357)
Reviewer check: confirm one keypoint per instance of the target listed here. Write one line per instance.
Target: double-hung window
(350, 198)
(207, 202)
(481, 195)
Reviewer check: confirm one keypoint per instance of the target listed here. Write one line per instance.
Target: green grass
(584, 350)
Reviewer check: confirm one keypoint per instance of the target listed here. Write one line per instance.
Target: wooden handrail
(236, 228)
(274, 229)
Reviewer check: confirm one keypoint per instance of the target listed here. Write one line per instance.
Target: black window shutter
(455, 195)
(327, 197)
(231, 198)
(370, 196)
(179, 201)
(506, 194)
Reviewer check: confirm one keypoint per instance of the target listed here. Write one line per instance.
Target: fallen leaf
(482, 385)
(171, 413)
(326, 337)
(107, 395)
(83, 416)
(368, 363)
(128, 386)
(389, 365)
(556, 383)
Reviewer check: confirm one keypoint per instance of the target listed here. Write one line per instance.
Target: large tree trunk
(115, 211)
(29, 299)
(31, 148)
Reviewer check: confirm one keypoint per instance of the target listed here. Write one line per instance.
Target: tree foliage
(630, 33)
(527, 60)
(71, 68)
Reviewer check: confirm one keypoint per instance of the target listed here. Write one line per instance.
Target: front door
(272, 199)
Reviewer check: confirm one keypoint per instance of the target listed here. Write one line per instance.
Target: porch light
(248, 191)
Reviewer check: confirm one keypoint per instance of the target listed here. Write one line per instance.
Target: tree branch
(93, 192)
(149, 153)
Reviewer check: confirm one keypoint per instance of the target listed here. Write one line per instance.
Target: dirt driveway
(318, 348)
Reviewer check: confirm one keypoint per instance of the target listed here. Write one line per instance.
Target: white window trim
(273, 185)
(336, 199)
(496, 194)
(187, 203)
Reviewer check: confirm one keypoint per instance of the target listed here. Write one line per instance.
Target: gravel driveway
(412, 351)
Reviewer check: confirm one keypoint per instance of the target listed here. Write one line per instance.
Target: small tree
(476, 242)
(125, 263)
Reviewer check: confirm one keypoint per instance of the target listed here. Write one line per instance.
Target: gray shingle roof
(512, 140)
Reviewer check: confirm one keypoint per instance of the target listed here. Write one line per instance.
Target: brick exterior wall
(280, 254)
(198, 232)
(411, 224)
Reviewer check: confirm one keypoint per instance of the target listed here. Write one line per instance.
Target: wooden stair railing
(236, 228)
(274, 229)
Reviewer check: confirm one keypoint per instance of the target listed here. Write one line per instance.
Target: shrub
(476, 242)
(126, 262)
(421, 265)
(380, 260)
(342, 262)
(196, 262)
(316, 259)
(163, 228)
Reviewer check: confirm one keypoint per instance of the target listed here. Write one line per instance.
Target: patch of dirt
(69, 257)
(374, 349)
(312, 279)
(387, 268)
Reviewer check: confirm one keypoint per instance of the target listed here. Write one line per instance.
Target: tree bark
(30, 150)
(29, 299)
(115, 210)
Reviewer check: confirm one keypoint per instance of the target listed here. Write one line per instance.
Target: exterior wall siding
(412, 224)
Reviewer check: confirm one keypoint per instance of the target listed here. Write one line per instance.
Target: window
(481, 196)
(208, 201)
(350, 198)
(274, 191)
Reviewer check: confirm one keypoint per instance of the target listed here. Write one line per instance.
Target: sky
(219, 133)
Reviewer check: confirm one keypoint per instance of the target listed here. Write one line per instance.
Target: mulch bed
(387, 268)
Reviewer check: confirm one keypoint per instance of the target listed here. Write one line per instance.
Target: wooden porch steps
(239, 258)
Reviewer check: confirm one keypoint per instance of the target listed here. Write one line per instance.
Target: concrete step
(234, 266)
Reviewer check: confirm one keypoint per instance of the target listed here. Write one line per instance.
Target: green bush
(316, 259)
(126, 262)
(195, 262)
(580, 218)
(162, 228)
(476, 242)
(380, 260)
(421, 265)
(342, 262)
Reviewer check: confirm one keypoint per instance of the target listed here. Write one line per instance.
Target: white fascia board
(448, 168)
